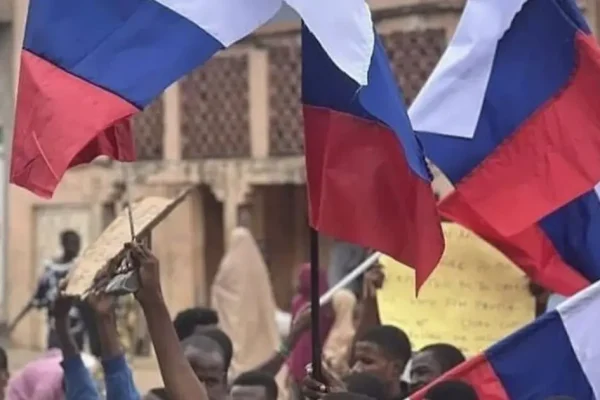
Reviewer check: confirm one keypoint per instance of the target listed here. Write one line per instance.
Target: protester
(336, 350)
(431, 362)
(41, 379)
(179, 379)
(209, 362)
(47, 289)
(188, 321)
(366, 384)
(451, 390)
(254, 385)
(44, 379)
(243, 297)
(383, 351)
(78, 381)
(301, 354)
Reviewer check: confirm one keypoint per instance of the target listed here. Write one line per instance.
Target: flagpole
(314, 301)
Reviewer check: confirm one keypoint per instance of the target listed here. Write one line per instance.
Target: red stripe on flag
(530, 249)
(61, 121)
(362, 190)
(561, 143)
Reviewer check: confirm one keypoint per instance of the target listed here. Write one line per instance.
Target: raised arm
(180, 381)
(117, 375)
(79, 385)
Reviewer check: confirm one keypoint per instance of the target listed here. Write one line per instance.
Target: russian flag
(560, 252)
(368, 182)
(557, 354)
(511, 114)
(86, 66)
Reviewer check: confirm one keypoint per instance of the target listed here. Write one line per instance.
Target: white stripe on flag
(450, 101)
(345, 30)
(581, 317)
(226, 20)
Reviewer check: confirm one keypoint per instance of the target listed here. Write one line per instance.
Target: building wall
(6, 79)
(233, 131)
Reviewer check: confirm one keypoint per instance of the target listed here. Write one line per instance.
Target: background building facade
(231, 129)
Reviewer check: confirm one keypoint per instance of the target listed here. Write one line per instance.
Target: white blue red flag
(511, 114)
(560, 252)
(556, 355)
(368, 182)
(86, 66)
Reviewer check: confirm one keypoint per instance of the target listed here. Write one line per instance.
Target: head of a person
(451, 390)
(382, 351)
(189, 320)
(254, 385)
(431, 362)
(4, 372)
(40, 379)
(303, 281)
(70, 243)
(210, 363)
(366, 384)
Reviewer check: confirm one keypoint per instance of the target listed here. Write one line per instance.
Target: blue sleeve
(79, 384)
(119, 380)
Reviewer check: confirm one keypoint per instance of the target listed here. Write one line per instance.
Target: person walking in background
(47, 289)
(243, 298)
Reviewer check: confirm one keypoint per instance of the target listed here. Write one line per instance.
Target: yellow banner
(474, 298)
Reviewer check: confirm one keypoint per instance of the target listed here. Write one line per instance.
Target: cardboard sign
(474, 298)
(147, 213)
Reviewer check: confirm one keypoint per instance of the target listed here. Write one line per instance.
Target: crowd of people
(231, 351)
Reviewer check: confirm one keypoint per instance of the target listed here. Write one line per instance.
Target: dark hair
(222, 340)
(257, 378)
(366, 384)
(345, 396)
(392, 340)
(447, 355)
(3, 359)
(452, 390)
(64, 235)
(186, 321)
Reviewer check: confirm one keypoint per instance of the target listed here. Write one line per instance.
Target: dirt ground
(145, 370)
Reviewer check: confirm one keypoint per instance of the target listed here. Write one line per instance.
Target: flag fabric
(88, 66)
(511, 114)
(560, 252)
(556, 355)
(368, 182)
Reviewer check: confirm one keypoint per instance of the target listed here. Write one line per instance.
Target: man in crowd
(254, 385)
(383, 351)
(209, 353)
(431, 362)
(190, 320)
(47, 289)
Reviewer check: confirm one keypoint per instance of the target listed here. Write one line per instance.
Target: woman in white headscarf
(243, 298)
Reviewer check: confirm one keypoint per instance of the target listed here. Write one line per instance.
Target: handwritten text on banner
(474, 298)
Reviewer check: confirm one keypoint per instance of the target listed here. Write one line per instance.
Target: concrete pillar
(177, 243)
(172, 120)
(258, 82)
